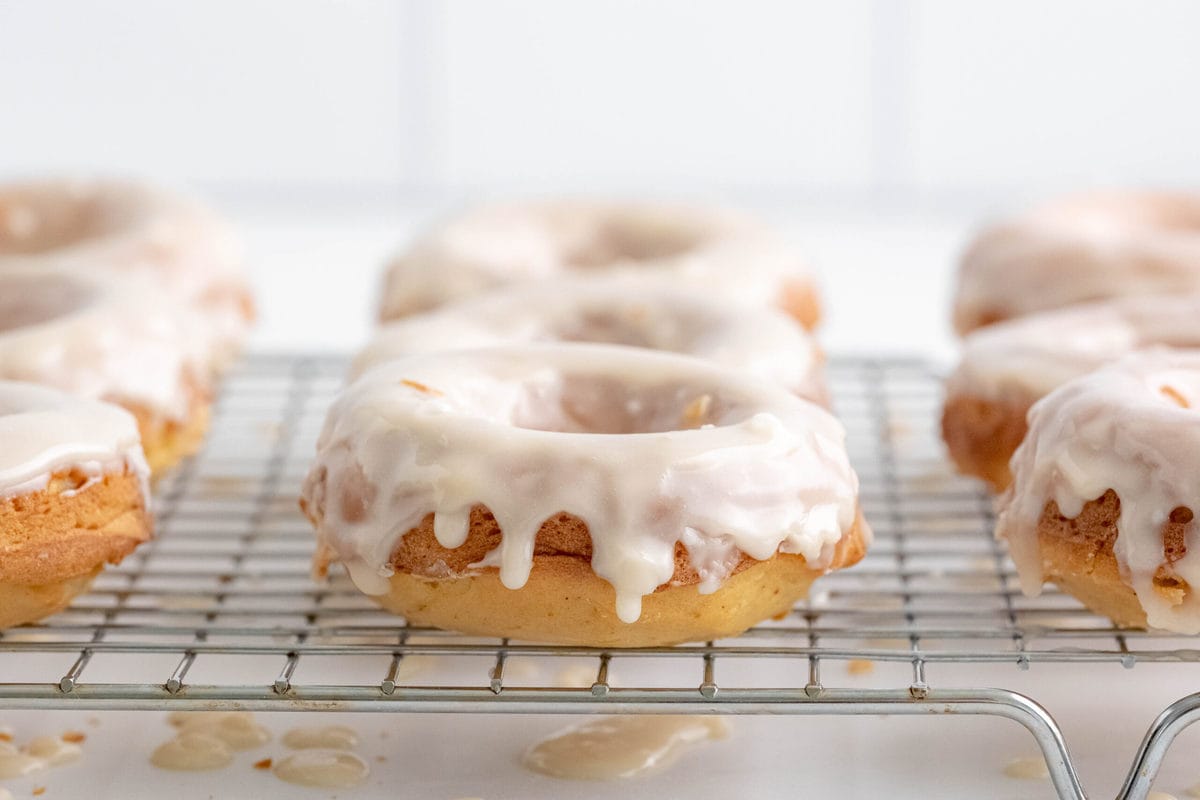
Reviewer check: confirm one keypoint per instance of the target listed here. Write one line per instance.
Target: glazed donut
(73, 497)
(1104, 489)
(1006, 367)
(1087, 247)
(106, 337)
(580, 493)
(725, 253)
(627, 310)
(125, 227)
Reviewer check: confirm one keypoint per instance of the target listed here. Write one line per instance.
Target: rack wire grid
(226, 584)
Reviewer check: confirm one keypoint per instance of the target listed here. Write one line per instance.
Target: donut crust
(565, 602)
(981, 435)
(1077, 555)
(54, 541)
(167, 441)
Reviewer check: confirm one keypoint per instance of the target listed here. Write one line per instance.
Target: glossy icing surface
(101, 337)
(154, 236)
(43, 431)
(1081, 248)
(648, 449)
(1032, 355)
(731, 255)
(632, 310)
(1132, 427)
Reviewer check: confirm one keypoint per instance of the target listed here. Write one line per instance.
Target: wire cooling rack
(224, 590)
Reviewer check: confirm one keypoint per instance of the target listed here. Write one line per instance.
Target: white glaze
(99, 336)
(53, 750)
(733, 256)
(1027, 768)
(328, 769)
(591, 430)
(14, 763)
(1081, 248)
(633, 310)
(610, 748)
(328, 737)
(192, 751)
(1030, 356)
(43, 431)
(149, 234)
(239, 730)
(1118, 428)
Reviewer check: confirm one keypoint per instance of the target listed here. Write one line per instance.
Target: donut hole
(28, 300)
(631, 237)
(627, 327)
(605, 405)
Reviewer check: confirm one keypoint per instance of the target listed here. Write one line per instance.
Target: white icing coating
(1132, 427)
(153, 235)
(647, 448)
(43, 431)
(1030, 356)
(1081, 248)
(99, 336)
(635, 310)
(328, 769)
(731, 255)
(610, 748)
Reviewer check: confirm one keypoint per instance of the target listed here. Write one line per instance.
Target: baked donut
(580, 493)
(115, 226)
(1082, 248)
(614, 309)
(108, 337)
(73, 496)
(1006, 367)
(730, 255)
(1104, 489)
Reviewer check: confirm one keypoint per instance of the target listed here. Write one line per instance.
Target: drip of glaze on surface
(620, 747)
(1030, 768)
(40, 753)
(329, 737)
(15, 764)
(192, 751)
(53, 750)
(327, 769)
(238, 730)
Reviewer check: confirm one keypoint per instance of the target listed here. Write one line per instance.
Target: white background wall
(929, 99)
(847, 110)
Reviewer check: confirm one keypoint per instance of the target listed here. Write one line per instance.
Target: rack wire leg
(1162, 732)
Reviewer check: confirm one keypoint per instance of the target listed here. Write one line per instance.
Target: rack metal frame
(228, 576)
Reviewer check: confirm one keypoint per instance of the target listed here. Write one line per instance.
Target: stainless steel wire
(227, 582)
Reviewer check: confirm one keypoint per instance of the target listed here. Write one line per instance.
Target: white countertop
(886, 280)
